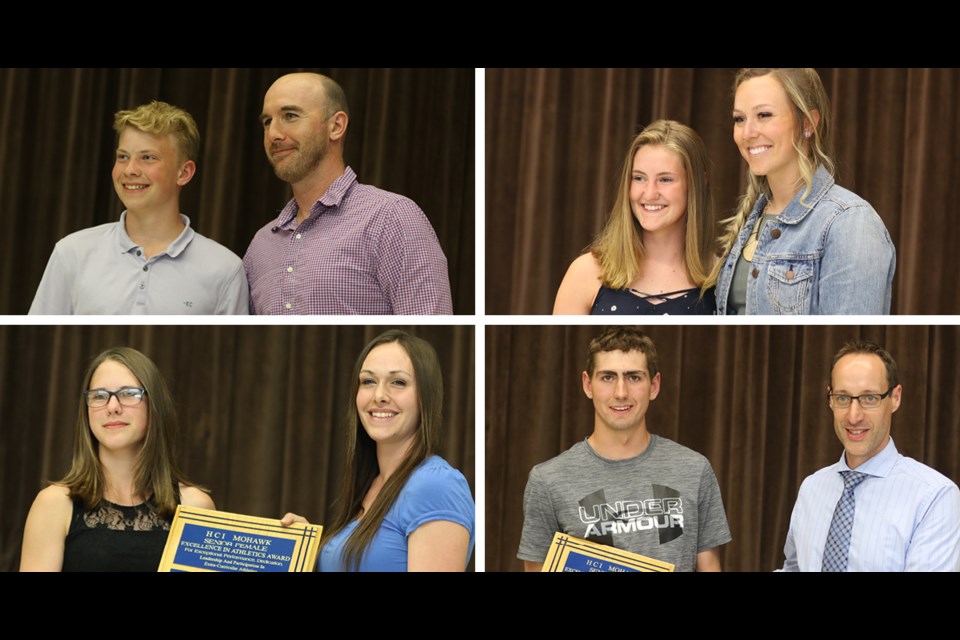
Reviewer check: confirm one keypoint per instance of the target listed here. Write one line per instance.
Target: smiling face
(658, 189)
(863, 432)
(116, 426)
(621, 389)
(388, 400)
(765, 129)
(295, 123)
(149, 171)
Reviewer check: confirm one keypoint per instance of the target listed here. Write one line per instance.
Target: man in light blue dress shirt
(905, 515)
(151, 261)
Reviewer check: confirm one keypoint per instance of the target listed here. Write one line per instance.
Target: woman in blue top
(659, 243)
(401, 507)
(798, 244)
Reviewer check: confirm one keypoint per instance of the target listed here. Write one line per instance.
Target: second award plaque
(571, 554)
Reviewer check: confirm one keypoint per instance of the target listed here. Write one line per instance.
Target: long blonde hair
(806, 93)
(619, 247)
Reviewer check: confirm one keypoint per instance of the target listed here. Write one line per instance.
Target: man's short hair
(624, 339)
(869, 348)
(159, 119)
(336, 98)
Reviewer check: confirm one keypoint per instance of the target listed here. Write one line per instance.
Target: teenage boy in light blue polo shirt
(151, 261)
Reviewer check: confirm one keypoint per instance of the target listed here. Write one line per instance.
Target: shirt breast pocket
(789, 286)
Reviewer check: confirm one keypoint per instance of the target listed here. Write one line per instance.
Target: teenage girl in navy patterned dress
(659, 244)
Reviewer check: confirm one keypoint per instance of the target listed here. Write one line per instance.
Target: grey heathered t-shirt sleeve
(712, 525)
(539, 519)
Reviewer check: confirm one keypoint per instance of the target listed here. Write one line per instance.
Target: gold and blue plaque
(205, 540)
(569, 554)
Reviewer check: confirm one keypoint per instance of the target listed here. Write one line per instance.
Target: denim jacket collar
(796, 268)
(796, 211)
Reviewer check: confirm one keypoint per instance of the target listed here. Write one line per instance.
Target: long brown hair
(619, 247)
(156, 473)
(361, 455)
(805, 91)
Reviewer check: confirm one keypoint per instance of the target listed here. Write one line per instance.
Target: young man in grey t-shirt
(623, 486)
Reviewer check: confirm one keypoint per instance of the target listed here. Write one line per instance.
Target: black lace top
(626, 302)
(115, 538)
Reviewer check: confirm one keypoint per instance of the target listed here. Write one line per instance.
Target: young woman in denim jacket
(658, 246)
(799, 243)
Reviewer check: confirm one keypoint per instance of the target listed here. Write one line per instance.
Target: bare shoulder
(579, 287)
(46, 530)
(194, 497)
(52, 509)
(54, 499)
(586, 266)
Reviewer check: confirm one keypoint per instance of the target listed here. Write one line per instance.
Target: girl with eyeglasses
(112, 511)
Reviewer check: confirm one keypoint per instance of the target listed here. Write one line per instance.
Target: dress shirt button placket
(288, 280)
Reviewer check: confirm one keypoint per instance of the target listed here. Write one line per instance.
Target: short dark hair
(624, 339)
(868, 348)
(336, 98)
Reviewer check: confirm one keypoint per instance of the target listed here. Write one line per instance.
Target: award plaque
(205, 540)
(573, 554)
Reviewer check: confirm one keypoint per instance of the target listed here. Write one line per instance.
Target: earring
(807, 134)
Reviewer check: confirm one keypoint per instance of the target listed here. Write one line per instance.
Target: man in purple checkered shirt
(338, 247)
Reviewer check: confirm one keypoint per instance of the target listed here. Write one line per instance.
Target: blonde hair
(805, 91)
(159, 118)
(619, 247)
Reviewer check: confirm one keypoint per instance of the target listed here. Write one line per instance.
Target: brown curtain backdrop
(411, 131)
(556, 139)
(752, 399)
(261, 409)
